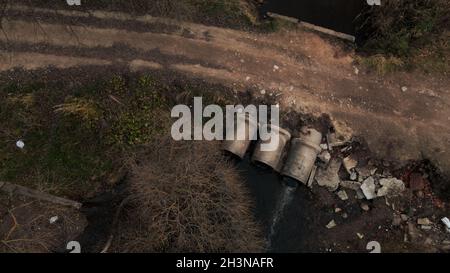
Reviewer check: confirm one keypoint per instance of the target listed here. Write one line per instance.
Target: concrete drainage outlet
(273, 158)
(302, 155)
(246, 130)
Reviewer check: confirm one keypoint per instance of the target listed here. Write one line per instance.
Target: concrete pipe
(240, 146)
(274, 157)
(302, 155)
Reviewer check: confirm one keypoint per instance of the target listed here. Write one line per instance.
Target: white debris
(263, 92)
(446, 222)
(390, 186)
(360, 236)
(53, 219)
(356, 70)
(276, 67)
(425, 227)
(404, 88)
(342, 195)
(20, 144)
(368, 188)
(331, 224)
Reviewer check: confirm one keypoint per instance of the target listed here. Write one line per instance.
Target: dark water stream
(281, 207)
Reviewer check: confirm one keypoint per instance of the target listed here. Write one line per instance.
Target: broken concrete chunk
(368, 188)
(342, 195)
(390, 187)
(352, 185)
(329, 177)
(324, 156)
(350, 163)
(363, 172)
(331, 224)
(424, 221)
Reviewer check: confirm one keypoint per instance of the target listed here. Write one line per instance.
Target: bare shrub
(186, 197)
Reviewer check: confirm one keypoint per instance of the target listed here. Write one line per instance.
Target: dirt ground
(27, 226)
(402, 117)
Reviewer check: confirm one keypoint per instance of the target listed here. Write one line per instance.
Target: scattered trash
(20, 144)
(446, 222)
(276, 67)
(342, 195)
(391, 187)
(349, 164)
(53, 219)
(356, 70)
(329, 177)
(331, 224)
(263, 92)
(337, 210)
(368, 188)
(404, 88)
(360, 236)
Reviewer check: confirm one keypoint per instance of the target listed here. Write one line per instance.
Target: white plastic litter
(53, 219)
(446, 222)
(20, 144)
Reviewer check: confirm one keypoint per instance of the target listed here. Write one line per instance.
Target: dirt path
(312, 74)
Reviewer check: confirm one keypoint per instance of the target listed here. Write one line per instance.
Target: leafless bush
(187, 198)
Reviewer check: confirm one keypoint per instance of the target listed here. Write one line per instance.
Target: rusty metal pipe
(302, 155)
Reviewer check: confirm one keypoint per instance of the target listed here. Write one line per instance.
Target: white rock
(331, 224)
(368, 188)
